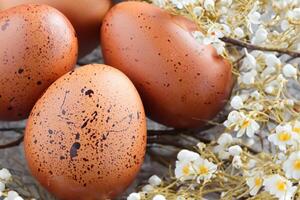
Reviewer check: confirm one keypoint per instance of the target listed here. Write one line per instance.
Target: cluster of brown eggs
(86, 133)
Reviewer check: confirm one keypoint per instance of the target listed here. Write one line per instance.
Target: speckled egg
(37, 46)
(86, 136)
(182, 83)
(85, 15)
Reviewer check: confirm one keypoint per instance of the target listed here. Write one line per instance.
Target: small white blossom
(225, 139)
(201, 146)
(147, 188)
(205, 169)
(2, 187)
(159, 197)
(296, 128)
(283, 136)
(260, 36)
(11, 195)
(180, 4)
(209, 5)
(5, 175)
(159, 3)
(198, 11)
(272, 60)
(248, 78)
(256, 95)
(237, 162)
(248, 126)
(226, 2)
(249, 62)
(254, 182)
(186, 155)
(292, 166)
(251, 164)
(235, 150)
(289, 71)
(284, 25)
(269, 89)
(254, 17)
(154, 180)
(237, 102)
(239, 33)
(294, 14)
(134, 196)
(280, 187)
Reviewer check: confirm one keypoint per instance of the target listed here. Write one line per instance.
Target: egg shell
(38, 45)
(182, 83)
(85, 15)
(86, 136)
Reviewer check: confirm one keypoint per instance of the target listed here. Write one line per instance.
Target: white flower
(18, 198)
(296, 128)
(237, 162)
(186, 155)
(292, 166)
(5, 175)
(251, 164)
(201, 146)
(280, 187)
(269, 89)
(182, 3)
(184, 171)
(242, 124)
(204, 169)
(226, 2)
(159, 197)
(237, 102)
(289, 71)
(134, 196)
(294, 14)
(248, 78)
(159, 3)
(272, 60)
(198, 11)
(248, 126)
(260, 36)
(255, 94)
(2, 187)
(235, 150)
(254, 183)
(154, 180)
(254, 17)
(239, 33)
(283, 136)
(12, 195)
(249, 62)
(284, 25)
(209, 5)
(269, 70)
(147, 188)
(225, 139)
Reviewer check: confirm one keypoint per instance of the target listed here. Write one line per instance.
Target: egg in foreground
(86, 136)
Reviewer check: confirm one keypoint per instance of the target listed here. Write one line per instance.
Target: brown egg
(86, 136)
(182, 83)
(37, 46)
(85, 15)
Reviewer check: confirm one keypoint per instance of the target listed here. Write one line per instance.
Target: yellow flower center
(258, 182)
(281, 186)
(186, 170)
(284, 136)
(296, 130)
(245, 124)
(297, 164)
(203, 169)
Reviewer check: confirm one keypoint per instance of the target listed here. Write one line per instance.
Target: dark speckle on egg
(95, 149)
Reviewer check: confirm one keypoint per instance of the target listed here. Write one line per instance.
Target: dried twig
(14, 143)
(247, 45)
